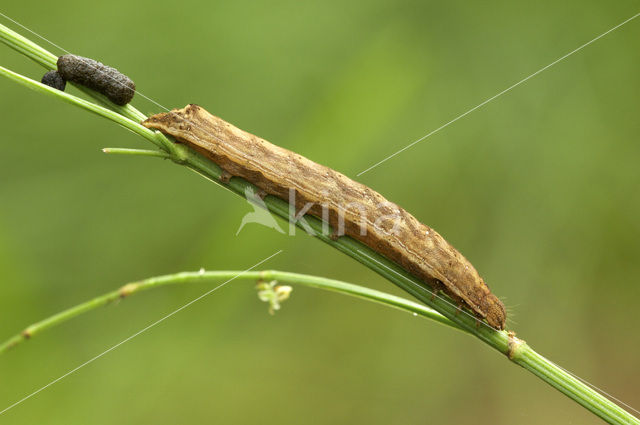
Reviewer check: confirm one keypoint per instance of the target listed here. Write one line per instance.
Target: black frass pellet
(54, 79)
(90, 73)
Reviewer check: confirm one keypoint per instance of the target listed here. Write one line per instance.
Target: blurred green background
(539, 189)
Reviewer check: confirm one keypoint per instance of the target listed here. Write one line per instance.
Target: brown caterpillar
(353, 208)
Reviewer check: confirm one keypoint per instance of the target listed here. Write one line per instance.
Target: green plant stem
(137, 152)
(520, 352)
(499, 340)
(49, 61)
(217, 276)
(84, 104)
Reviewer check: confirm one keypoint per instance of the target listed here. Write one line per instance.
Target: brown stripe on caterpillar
(90, 73)
(352, 206)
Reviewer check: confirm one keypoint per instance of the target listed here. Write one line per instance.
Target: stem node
(128, 289)
(515, 346)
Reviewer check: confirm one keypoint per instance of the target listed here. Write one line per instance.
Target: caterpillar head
(495, 311)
